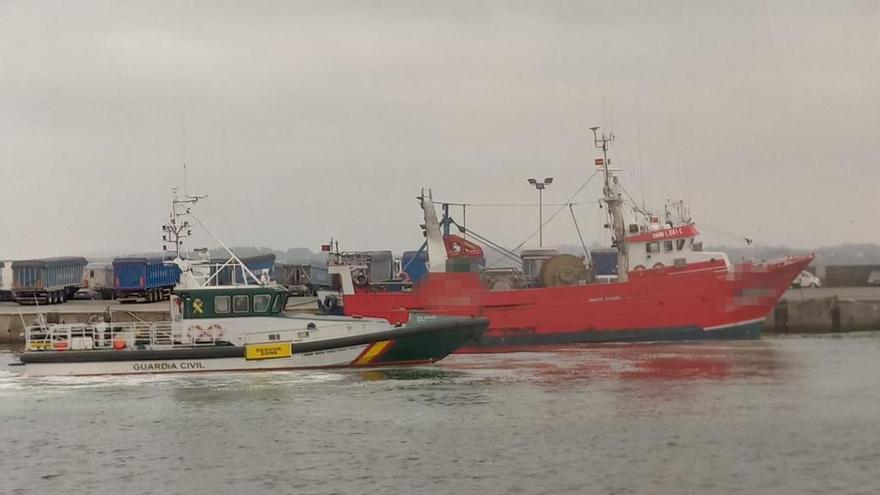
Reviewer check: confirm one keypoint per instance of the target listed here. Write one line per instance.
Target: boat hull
(425, 341)
(711, 303)
(502, 343)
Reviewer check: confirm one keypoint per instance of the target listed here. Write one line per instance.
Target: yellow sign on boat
(274, 350)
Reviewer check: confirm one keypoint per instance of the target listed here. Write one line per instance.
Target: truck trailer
(137, 279)
(47, 281)
(5, 280)
(302, 279)
(261, 265)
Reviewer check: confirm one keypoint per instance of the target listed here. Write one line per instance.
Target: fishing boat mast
(613, 198)
(433, 235)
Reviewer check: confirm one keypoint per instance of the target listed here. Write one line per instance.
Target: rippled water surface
(784, 415)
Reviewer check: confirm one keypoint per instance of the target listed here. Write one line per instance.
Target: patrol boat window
(240, 304)
(221, 304)
(261, 302)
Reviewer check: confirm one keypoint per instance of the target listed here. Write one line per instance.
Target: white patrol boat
(238, 328)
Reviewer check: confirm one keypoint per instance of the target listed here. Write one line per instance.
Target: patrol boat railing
(118, 336)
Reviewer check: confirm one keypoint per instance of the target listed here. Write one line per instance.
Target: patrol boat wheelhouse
(238, 328)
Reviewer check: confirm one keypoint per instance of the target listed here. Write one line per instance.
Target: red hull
(683, 304)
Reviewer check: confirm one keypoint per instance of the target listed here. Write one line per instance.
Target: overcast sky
(306, 120)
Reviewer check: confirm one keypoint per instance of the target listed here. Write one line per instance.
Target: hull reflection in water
(712, 361)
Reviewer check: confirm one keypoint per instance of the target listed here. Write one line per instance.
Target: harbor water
(777, 415)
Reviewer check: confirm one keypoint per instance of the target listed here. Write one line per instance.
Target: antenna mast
(613, 197)
(178, 228)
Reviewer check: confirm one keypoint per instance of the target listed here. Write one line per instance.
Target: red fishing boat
(665, 287)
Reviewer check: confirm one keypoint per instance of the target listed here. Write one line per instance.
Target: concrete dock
(826, 310)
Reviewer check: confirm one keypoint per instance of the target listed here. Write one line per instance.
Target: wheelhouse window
(667, 246)
(240, 304)
(261, 302)
(679, 244)
(276, 306)
(221, 304)
(652, 247)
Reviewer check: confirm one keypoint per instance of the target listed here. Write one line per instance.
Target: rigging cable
(577, 227)
(509, 205)
(500, 249)
(527, 239)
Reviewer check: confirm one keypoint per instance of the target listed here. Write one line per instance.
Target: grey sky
(305, 120)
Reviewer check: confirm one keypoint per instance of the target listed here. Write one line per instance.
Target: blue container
(48, 274)
(604, 261)
(136, 276)
(415, 266)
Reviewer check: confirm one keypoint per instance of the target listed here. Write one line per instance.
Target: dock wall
(823, 315)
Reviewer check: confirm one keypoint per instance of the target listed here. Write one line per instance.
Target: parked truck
(137, 279)
(5, 280)
(97, 282)
(47, 281)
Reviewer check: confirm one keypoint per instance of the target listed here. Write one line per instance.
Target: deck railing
(118, 336)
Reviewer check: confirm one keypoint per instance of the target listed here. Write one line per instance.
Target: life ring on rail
(404, 277)
(361, 280)
(60, 345)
